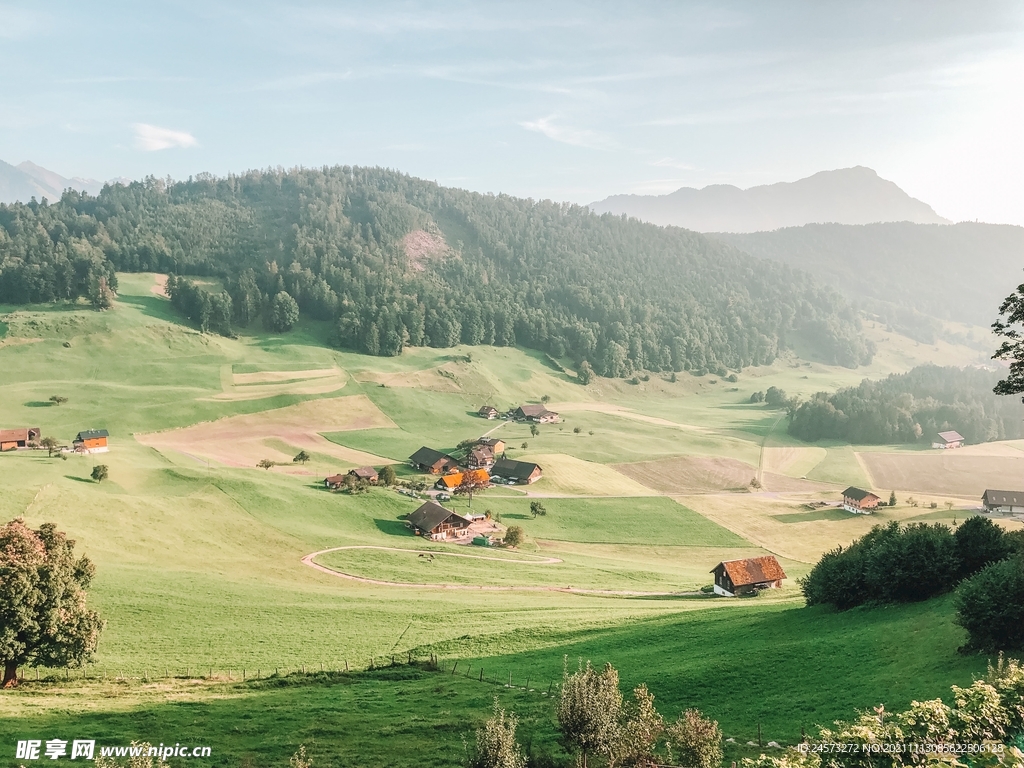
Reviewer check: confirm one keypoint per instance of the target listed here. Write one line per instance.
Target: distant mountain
(846, 196)
(27, 180)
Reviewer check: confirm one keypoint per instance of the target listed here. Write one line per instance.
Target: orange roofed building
(738, 577)
(454, 480)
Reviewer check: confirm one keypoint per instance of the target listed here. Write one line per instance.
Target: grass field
(199, 554)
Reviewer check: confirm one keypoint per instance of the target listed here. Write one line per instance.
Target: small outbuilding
(740, 577)
(538, 414)
(454, 480)
(1004, 502)
(434, 462)
(91, 441)
(859, 501)
(12, 439)
(951, 439)
(369, 474)
(334, 482)
(437, 523)
(522, 472)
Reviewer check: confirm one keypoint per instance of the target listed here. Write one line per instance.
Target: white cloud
(150, 138)
(577, 137)
(670, 162)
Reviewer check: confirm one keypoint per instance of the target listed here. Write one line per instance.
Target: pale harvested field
(159, 287)
(702, 474)
(792, 460)
(626, 413)
(965, 472)
(257, 386)
(242, 441)
(568, 476)
(279, 377)
(429, 379)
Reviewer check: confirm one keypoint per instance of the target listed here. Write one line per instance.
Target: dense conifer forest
(912, 407)
(392, 260)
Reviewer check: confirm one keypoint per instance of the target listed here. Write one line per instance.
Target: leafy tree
(589, 710)
(695, 740)
(757, 397)
(101, 295)
(979, 542)
(546, 399)
(44, 620)
(50, 444)
(525, 445)
(58, 399)
(576, 430)
(514, 536)
(775, 398)
(990, 606)
(1009, 328)
(537, 509)
(638, 732)
(284, 312)
(472, 482)
(892, 498)
(496, 745)
(585, 374)
(266, 464)
(100, 473)
(302, 457)
(387, 476)
(534, 430)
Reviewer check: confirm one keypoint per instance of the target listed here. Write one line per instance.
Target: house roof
(517, 470)
(535, 411)
(13, 435)
(430, 515)
(753, 570)
(92, 434)
(487, 409)
(428, 456)
(490, 442)
(951, 436)
(455, 480)
(482, 452)
(1001, 498)
(857, 494)
(364, 472)
(335, 479)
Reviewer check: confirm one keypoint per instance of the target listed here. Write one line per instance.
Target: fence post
(454, 667)
(346, 665)
(549, 687)
(481, 674)
(527, 684)
(759, 735)
(510, 678)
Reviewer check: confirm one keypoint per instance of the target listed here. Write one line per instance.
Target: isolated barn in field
(738, 577)
(538, 414)
(1005, 502)
(11, 439)
(334, 482)
(369, 474)
(437, 523)
(454, 480)
(488, 412)
(859, 501)
(434, 462)
(522, 472)
(91, 441)
(949, 439)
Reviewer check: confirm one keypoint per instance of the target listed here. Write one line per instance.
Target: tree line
(912, 407)
(618, 294)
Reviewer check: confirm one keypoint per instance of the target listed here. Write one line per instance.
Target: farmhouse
(858, 501)
(454, 480)
(495, 444)
(10, 439)
(480, 457)
(437, 523)
(488, 412)
(738, 577)
(369, 474)
(434, 462)
(949, 439)
(1006, 502)
(535, 413)
(334, 482)
(91, 441)
(522, 472)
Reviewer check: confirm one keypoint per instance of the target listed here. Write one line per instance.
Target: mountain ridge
(855, 195)
(22, 182)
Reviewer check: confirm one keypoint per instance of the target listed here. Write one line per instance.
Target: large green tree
(1010, 327)
(44, 620)
(284, 312)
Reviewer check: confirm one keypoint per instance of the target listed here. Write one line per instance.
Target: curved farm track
(309, 560)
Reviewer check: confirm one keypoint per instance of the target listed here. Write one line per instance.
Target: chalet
(1006, 502)
(949, 439)
(434, 462)
(488, 412)
(91, 441)
(437, 523)
(454, 480)
(334, 482)
(480, 457)
(858, 501)
(495, 444)
(535, 413)
(11, 439)
(738, 577)
(369, 474)
(522, 472)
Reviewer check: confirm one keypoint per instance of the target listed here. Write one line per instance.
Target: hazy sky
(561, 100)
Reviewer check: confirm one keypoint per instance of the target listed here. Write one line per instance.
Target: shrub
(696, 740)
(496, 745)
(990, 606)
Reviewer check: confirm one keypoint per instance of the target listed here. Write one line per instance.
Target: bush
(514, 536)
(696, 740)
(990, 606)
(979, 542)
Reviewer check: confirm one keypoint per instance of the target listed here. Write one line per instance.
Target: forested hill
(394, 260)
(954, 272)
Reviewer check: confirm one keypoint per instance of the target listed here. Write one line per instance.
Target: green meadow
(199, 564)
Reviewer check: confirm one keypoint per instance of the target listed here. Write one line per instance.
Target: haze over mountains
(845, 196)
(26, 180)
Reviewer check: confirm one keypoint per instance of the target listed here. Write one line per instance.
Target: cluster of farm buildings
(29, 438)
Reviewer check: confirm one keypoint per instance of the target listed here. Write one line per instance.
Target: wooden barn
(1004, 502)
(434, 462)
(334, 482)
(437, 523)
(496, 444)
(520, 472)
(538, 414)
(949, 439)
(91, 441)
(454, 480)
(859, 501)
(369, 474)
(12, 439)
(738, 577)
(488, 412)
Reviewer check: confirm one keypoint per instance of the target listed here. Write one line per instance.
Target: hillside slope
(848, 196)
(26, 180)
(393, 261)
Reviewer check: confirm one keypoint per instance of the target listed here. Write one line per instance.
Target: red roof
(753, 570)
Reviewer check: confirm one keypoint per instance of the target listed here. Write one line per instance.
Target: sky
(569, 101)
